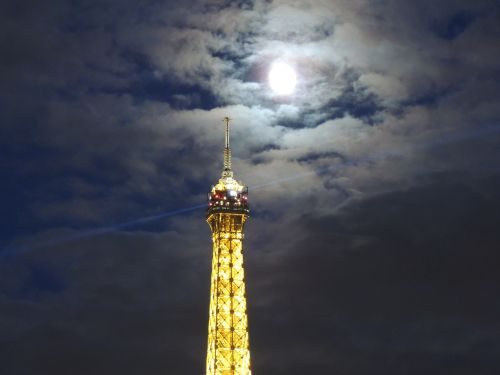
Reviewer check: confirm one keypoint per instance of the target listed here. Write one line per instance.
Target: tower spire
(227, 172)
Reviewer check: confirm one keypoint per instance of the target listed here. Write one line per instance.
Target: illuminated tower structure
(228, 345)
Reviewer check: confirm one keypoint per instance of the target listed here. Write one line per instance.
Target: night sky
(373, 245)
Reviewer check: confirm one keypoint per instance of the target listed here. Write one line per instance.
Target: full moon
(282, 78)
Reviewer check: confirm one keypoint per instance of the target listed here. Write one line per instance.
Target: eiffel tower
(228, 345)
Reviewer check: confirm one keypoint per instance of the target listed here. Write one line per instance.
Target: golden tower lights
(228, 346)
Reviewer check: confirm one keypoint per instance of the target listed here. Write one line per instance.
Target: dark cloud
(389, 284)
(115, 311)
(374, 187)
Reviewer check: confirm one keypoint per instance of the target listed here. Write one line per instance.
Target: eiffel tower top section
(228, 195)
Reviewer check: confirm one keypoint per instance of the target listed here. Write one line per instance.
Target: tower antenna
(227, 172)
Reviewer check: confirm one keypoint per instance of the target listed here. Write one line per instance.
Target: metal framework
(228, 344)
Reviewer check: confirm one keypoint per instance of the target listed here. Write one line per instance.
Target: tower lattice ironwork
(228, 345)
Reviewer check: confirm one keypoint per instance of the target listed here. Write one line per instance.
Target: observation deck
(228, 196)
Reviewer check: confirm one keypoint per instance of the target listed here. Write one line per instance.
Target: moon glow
(282, 78)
